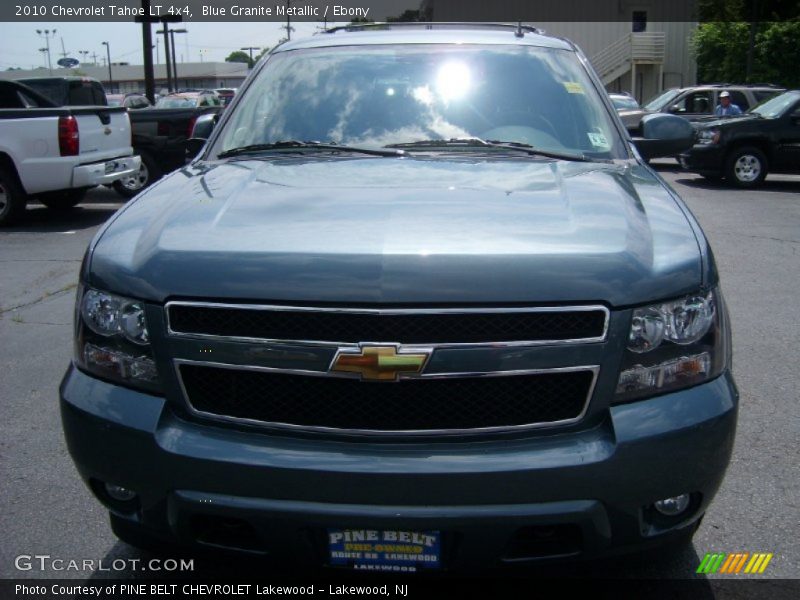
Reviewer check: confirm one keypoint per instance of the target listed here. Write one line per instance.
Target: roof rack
(742, 85)
(519, 29)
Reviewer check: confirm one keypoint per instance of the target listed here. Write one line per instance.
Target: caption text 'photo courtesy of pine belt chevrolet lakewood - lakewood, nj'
(407, 310)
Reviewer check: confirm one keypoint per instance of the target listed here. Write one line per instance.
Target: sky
(19, 42)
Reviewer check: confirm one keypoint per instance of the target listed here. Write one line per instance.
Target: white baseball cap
(724, 95)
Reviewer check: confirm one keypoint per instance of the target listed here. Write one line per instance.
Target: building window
(639, 21)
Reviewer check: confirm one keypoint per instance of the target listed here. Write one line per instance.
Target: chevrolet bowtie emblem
(379, 363)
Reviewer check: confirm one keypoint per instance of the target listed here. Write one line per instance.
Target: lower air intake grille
(413, 405)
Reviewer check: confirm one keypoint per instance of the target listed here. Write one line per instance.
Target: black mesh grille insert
(413, 404)
(348, 327)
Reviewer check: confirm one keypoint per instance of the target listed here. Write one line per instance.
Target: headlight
(675, 344)
(112, 340)
(708, 136)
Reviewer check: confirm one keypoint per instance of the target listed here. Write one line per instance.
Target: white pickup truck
(57, 153)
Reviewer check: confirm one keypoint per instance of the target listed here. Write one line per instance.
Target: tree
(721, 52)
(240, 57)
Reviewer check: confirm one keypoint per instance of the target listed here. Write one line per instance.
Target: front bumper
(596, 483)
(105, 172)
(703, 158)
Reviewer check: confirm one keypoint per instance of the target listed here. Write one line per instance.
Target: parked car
(417, 304)
(624, 101)
(159, 138)
(743, 149)
(189, 100)
(69, 91)
(56, 153)
(698, 102)
(132, 101)
(225, 95)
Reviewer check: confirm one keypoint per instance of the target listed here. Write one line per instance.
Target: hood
(715, 122)
(401, 230)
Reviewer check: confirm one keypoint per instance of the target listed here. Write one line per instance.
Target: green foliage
(240, 57)
(721, 52)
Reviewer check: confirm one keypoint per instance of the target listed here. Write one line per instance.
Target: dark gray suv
(417, 304)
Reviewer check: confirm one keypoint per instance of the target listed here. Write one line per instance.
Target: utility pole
(94, 59)
(250, 49)
(288, 27)
(110, 78)
(147, 46)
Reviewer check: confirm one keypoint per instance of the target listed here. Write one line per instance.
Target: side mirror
(204, 125)
(664, 135)
(201, 131)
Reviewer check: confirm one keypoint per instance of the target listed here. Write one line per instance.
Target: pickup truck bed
(159, 137)
(58, 153)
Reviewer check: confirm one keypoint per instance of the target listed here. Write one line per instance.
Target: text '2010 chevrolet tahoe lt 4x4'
(418, 304)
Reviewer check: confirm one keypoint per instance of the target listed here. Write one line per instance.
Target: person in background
(725, 108)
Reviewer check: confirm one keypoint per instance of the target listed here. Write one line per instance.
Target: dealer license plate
(384, 550)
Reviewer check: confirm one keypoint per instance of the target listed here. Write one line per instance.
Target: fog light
(117, 492)
(671, 507)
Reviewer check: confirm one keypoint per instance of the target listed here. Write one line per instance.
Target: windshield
(374, 96)
(623, 102)
(661, 100)
(114, 100)
(172, 102)
(776, 106)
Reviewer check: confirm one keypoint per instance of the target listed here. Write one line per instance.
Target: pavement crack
(43, 297)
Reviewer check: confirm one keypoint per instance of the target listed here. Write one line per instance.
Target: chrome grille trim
(391, 311)
(594, 369)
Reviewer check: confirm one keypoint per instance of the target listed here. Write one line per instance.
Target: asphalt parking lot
(45, 509)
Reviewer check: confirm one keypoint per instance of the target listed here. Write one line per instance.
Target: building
(130, 78)
(632, 44)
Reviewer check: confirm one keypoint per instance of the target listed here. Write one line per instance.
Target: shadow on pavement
(779, 186)
(38, 219)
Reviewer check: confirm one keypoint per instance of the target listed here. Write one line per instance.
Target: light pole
(47, 34)
(108, 54)
(172, 33)
(44, 55)
(85, 54)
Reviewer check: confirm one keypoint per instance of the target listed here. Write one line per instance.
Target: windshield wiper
(295, 144)
(474, 142)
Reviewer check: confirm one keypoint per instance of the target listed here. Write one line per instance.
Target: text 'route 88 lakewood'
(203, 589)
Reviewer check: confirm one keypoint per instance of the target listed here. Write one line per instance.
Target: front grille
(417, 405)
(420, 327)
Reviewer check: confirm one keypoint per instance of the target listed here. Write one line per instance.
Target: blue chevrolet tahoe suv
(417, 304)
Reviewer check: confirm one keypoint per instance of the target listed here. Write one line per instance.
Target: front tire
(746, 167)
(148, 173)
(12, 197)
(62, 199)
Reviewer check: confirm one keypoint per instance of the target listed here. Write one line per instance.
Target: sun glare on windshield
(453, 81)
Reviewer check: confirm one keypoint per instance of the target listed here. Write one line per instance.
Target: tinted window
(54, 89)
(86, 93)
(696, 103)
(379, 95)
(762, 95)
(739, 99)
